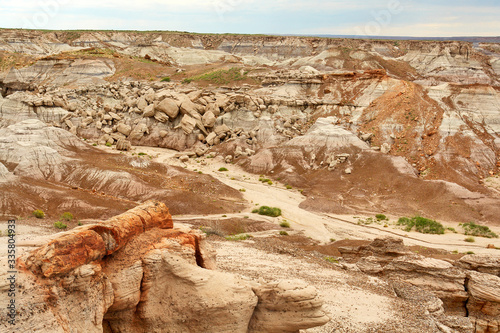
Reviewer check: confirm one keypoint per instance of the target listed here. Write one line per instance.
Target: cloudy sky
(424, 18)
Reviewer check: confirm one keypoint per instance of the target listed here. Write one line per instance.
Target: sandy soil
(319, 226)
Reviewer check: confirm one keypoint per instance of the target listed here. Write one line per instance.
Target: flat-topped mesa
(92, 242)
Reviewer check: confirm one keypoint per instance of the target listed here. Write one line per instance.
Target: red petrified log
(93, 242)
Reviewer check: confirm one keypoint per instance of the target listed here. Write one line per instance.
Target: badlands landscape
(247, 183)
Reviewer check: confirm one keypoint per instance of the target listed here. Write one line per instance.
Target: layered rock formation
(467, 287)
(135, 273)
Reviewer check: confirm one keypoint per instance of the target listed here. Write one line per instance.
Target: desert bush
(67, 216)
(238, 237)
(268, 211)
(108, 144)
(223, 169)
(60, 225)
(288, 187)
(474, 229)
(469, 239)
(39, 214)
(332, 260)
(421, 224)
(285, 224)
(283, 233)
(380, 217)
(165, 79)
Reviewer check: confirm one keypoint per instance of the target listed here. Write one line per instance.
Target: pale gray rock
(124, 129)
(188, 124)
(208, 119)
(149, 111)
(169, 107)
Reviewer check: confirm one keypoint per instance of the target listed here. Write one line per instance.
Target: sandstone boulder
(124, 145)
(169, 107)
(208, 119)
(187, 124)
(124, 129)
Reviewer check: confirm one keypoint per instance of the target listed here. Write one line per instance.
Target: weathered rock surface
(117, 275)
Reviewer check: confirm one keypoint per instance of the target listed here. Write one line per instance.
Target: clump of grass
(165, 79)
(474, 229)
(95, 144)
(220, 76)
(39, 214)
(242, 190)
(264, 180)
(333, 240)
(285, 224)
(141, 154)
(268, 211)
(451, 229)
(469, 239)
(288, 187)
(60, 225)
(238, 237)
(223, 169)
(332, 260)
(421, 224)
(381, 217)
(108, 144)
(366, 221)
(283, 233)
(469, 252)
(67, 216)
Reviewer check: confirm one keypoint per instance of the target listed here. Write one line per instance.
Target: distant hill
(474, 39)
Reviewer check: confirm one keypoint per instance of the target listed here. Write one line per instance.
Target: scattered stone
(124, 145)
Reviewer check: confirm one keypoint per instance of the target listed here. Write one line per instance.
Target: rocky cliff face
(136, 273)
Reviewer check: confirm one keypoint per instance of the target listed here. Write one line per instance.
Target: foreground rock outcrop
(136, 273)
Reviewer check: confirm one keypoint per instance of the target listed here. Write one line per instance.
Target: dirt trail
(319, 226)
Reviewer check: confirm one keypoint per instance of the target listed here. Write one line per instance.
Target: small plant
(223, 169)
(165, 79)
(469, 239)
(283, 233)
(421, 224)
(224, 215)
(80, 223)
(108, 144)
(474, 229)
(455, 252)
(60, 225)
(332, 240)
(67, 216)
(268, 211)
(95, 145)
(242, 190)
(332, 260)
(270, 182)
(238, 237)
(264, 180)
(469, 252)
(285, 224)
(200, 173)
(381, 217)
(288, 187)
(141, 154)
(246, 217)
(451, 229)
(39, 214)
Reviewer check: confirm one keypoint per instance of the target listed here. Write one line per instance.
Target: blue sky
(424, 18)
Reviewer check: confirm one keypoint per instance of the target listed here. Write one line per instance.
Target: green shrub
(268, 211)
(380, 217)
(238, 237)
(332, 260)
(469, 239)
(451, 229)
(288, 187)
(285, 224)
(165, 79)
(242, 190)
(474, 229)
(60, 225)
(67, 216)
(108, 144)
(333, 240)
(255, 211)
(80, 223)
(283, 233)
(95, 144)
(270, 182)
(223, 169)
(264, 180)
(421, 224)
(469, 252)
(39, 214)
(141, 154)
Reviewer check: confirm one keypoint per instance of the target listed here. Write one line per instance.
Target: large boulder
(169, 107)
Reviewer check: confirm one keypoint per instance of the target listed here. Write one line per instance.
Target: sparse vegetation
(108, 144)
(95, 144)
(474, 229)
(470, 239)
(242, 190)
(165, 79)
(332, 260)
(223, 169)
(67, 216)
(469, 252)
(283, 233)
(451, 229)
(220, 76)
(265, 180)
(39, 214)
(381, 217)
(211, 231)
(288, 187)
(421, 224)
(60, 225)
(141, 154)
(268, 211)
(238, 237)
(285, 224)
